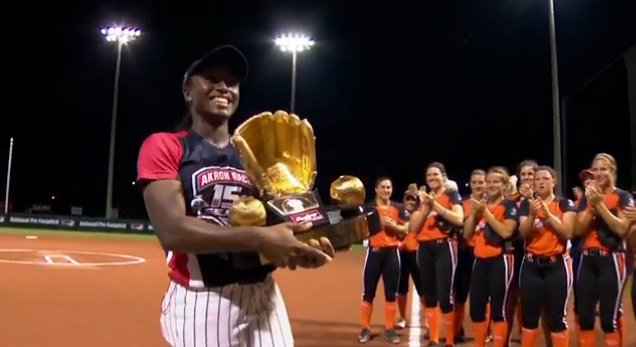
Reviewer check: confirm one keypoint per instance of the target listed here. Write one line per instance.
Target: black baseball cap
(226, 56)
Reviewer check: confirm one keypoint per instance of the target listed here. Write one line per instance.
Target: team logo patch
(216, 189)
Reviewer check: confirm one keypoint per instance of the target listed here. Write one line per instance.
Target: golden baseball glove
(278, 152)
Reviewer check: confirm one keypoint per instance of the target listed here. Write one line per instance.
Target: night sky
(389, 86)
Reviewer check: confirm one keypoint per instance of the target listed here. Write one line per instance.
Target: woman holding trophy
(383, 261)
(190, 182)
(433, 223)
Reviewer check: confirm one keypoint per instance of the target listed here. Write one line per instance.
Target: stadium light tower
(121, 36)
(294, 44)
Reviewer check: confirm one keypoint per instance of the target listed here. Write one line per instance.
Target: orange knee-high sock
(529, 337)
(389, 314)
(613, 339)
(366, 310)
(401, 304)
(560, 339)
(480, 331)
(432, 317)
(460, 310)
(424, 320)
(449, 327)
(500, 334)
(587, 338)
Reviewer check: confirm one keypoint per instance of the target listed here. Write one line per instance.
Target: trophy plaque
(278, 153)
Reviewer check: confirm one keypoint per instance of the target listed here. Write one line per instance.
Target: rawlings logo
(306, 217)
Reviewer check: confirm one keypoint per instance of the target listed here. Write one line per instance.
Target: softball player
(586, 176)
(602, 270)
(466, 256)
(408, 259)
(219, 294)
(630, 213)
(383, 261)
(547, 223)
(493, 224)
(440, 212)
(525, 170)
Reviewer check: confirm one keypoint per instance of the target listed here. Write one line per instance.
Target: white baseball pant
(235, 315)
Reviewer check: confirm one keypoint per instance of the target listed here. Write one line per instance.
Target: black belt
(442, 240)
(597, 252)
(543, 259)
(384, 248)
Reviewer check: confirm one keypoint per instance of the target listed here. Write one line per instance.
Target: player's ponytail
(186, 122)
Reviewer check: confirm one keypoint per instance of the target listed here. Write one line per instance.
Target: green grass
(100, 235)
(78, 234)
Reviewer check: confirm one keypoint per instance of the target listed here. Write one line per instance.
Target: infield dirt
(63, 306)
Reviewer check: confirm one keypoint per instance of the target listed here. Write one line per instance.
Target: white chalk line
(415, 322)
(48, 259)
(66, 259)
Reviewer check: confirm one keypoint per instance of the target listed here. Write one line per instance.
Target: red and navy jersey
(213, 179)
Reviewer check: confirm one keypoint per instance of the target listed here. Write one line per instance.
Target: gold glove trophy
(278, 153)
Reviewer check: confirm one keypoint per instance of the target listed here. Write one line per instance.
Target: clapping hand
(477, 207)
(526, 191)
(538, 205)
(593, 194)
(426, 198)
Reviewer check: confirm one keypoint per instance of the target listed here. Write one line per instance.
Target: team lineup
(509, 250)
(498, 250)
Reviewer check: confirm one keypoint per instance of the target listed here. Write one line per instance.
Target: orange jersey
(466, 205)
(544, 240)
(387, 238)
(599, 235)
(436, 227)
(488, 243)
(409, 243)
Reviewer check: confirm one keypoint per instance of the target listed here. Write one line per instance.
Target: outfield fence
(71, 223)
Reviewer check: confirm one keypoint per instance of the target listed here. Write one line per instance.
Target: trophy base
(342, 233)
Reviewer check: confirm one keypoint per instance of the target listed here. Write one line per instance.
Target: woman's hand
(593, 194)
(526, 191)
(477, 207)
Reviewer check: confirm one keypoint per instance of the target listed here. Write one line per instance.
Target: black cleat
(365, 335)
(392, 336)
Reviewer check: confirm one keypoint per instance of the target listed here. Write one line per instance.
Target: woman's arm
(563, 227)
(584, 218)
(504, 228)
(177, 232)
(454, 215)
(469, 226)
(618, 224)
(526, 218)
(417, 219)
